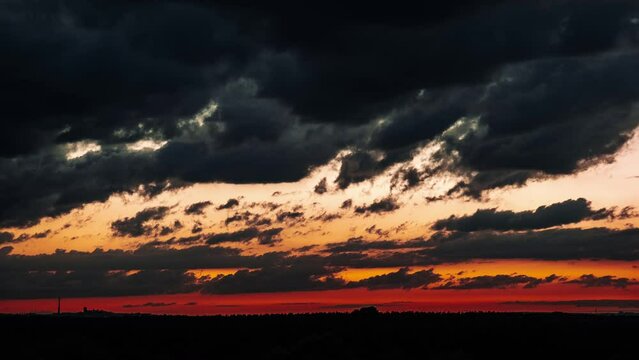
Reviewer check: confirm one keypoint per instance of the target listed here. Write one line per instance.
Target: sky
(225, 157)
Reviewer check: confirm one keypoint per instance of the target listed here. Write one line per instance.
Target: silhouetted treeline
(361, 335)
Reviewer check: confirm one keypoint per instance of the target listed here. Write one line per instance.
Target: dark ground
(322, 336)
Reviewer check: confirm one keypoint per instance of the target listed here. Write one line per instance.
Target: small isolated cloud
(136, 226)
(229, 204)
(387, 204)
(197, 208)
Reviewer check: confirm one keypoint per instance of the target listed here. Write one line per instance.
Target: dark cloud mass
(399, 279)
(554, 244)
(302, 277)
(567, 212)
(539, 89)
(590, 280)
(47, 284)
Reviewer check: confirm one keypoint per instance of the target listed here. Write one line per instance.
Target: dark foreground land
(323, 336)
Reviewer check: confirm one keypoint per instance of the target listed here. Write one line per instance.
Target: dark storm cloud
(495, 282)
(552, 118)
(387, 204)
(197, 208)
(136, 225)
(363, 63)
(590, 280)
(47, 284)
(97, 71)
(290, 92)
(300, 277)
(566, 212)
(401, 279)
(357, 167)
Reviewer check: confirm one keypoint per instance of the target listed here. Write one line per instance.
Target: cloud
(281, 100)
(290, 215)
(321, 187)
(197, 208)
(581, 303)
(264, 237)
(566, 212)
(9, 238)
(495, 282)
(299, 277)
(401, 279)
(590, 280)
(387, 204)
(554, 244)
(230, 203)
(136, 226)
(143, 258)
(359, 245)
(86, 283)
(346, 204)
(148, 304)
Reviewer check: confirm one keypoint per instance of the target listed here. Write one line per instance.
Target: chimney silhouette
(58, 305)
